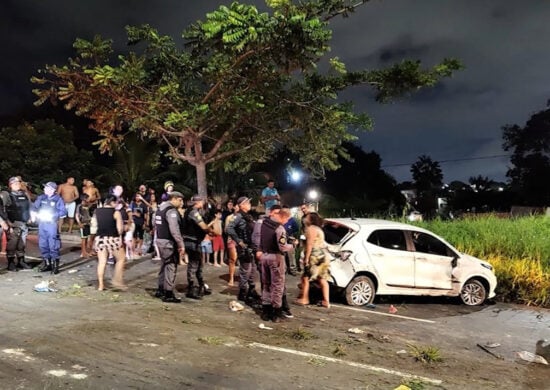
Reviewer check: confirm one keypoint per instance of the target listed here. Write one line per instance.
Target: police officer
(4, 226)
(240, 230)
(17, 208)
(170, 244)
(48, 208)
(273, 245)
(194, 229)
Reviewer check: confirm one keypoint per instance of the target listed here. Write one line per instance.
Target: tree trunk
(201, 178)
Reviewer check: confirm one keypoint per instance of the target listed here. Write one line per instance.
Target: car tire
(473, 293)
(360, 291)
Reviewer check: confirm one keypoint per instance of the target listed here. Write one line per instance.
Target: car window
(426, 243)
(390, 239)
(334, 233)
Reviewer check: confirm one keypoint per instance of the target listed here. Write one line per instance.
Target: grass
(301, 334)
(211, 340)
(339, 350)
(518, 249)
(426, 354)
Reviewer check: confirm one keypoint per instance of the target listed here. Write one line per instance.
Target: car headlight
(488, 266)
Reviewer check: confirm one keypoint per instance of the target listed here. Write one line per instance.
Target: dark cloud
(502, 43)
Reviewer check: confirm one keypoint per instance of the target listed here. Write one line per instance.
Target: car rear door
(394, 264)
(433, 262)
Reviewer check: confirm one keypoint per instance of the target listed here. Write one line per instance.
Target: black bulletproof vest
(191, 230)
(19, 209)
(161, 224)
(106, 223)
(268, 241)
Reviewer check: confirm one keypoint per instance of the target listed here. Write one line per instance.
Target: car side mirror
(454, 262)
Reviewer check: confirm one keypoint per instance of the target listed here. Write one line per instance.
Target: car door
(394, 264)
(433, 262)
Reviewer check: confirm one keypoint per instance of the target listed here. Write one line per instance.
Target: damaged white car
(377, 257)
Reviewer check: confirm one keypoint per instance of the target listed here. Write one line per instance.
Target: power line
(453, 160)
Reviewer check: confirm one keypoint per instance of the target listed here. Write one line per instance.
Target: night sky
(504, 45)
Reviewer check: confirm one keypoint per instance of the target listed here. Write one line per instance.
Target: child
(217, 239)
(83, 217)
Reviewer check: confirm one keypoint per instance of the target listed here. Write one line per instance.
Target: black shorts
(138, 232)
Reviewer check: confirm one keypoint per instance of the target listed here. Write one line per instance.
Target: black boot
(242, 295)
(278, 315)
(169, 297)
(11, 264)
(204, 289)
(252, 295)
(193, 292)
(55, 266)
(46, 265)
(21, 263)
(160, 292)
(267, 312)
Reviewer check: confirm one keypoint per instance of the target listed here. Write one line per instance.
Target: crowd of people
(193, 233)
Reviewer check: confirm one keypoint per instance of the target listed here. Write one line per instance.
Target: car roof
(372, 223)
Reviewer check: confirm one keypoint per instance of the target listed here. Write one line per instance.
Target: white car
(377, 257)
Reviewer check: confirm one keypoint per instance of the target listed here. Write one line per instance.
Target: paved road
(81, 338)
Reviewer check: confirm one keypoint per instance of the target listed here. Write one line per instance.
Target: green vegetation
(426, 354)
(518, 249)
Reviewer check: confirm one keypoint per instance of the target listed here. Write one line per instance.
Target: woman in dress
(316, 264)
(108, 241)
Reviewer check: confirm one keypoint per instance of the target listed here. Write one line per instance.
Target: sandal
(324, 304)
(301, 302)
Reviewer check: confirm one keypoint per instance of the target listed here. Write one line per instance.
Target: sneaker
(111, 260)
(287, 313)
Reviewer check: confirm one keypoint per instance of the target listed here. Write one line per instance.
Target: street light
(313, 198)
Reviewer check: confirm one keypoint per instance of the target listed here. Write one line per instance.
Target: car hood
(473, 259)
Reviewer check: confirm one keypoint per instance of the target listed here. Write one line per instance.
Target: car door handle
(377, 254)
(421, 258)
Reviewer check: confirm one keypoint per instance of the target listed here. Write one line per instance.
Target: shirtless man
(69, 193)
(90, 189)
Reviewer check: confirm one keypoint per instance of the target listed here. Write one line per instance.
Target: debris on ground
(531, 357)
(392, 309)
(72, 271)
(235, 306)
(262, 326)
(543, 350)
(45, 286)
(491, 345)
(486, 349)
(370, 306)
(401, 352)
(355, 330)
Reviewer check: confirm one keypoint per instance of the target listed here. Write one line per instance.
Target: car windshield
(335, 233)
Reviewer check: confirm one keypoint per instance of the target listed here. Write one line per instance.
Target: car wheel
(473, 293)
(360, 291)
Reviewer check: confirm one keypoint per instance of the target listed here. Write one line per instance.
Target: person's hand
(242, 244)
(259, 255)
(5, 226)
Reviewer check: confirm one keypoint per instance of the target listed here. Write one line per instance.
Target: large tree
(243, 85)
(428, 180)
(530, 147)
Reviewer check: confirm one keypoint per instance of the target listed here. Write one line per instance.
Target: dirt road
(78, 338)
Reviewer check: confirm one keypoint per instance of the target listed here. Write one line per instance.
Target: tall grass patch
(518, 249)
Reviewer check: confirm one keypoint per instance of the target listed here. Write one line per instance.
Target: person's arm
(231, 229)
(76, 194)
(282, 241)
(310, 237)
(173, 220)
(77, 215)
(119, 222)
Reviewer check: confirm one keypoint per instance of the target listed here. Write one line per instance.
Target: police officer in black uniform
(240, 230)
(17, 209)
(170, 244)
(194, 229)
